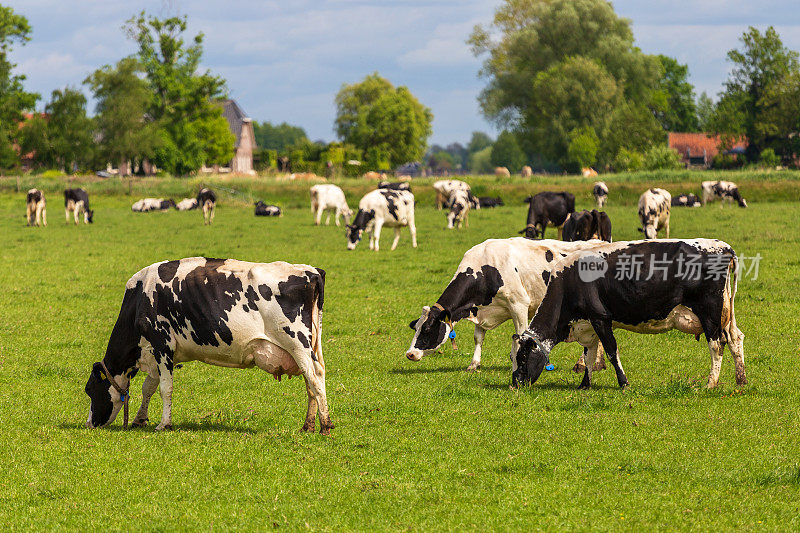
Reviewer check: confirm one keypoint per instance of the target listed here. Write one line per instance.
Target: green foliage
(278, 137)
(679, 112)
(705, 112)
(507, 153)
(388, 123)
(69, 130)
(264, 159)
(768, 158)
(723, 161)
(628, 161)
(442, 160)
(478, 142)
(480, 162)
(34, 138)
(583, 146)
(662, 157)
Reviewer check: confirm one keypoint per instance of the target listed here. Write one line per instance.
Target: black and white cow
(36, 208)
(329, 197)
(383, 207)
(586, 225)
(187, 204)
(208, 201)
(496, 281)
(266, 210)
(445, 188)
(460, 205)
(688, 285)
(654, 207)
(600, 192)
(76, 201)
(727, 191)
(396, 185)
(221, 312)
(547, 209)
(488, 201)
(146, 205)
(685, 200)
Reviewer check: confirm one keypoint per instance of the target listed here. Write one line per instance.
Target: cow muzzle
(414, 355)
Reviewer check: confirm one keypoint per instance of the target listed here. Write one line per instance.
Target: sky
(286, 60)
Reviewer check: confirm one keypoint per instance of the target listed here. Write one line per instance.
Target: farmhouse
(699, 149)
(245, 144)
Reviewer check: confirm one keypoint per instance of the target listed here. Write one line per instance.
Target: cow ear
(640, 230)
(97, 371)
(413, 324)
(528, 199)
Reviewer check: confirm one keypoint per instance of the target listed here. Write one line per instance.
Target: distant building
(245, 144)
(698, 149)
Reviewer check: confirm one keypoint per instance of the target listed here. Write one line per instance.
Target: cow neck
(362, 219)
(547, 322)
(456, 300)
(531, 215)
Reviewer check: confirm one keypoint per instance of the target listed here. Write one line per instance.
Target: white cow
(654, 207)
(152, 204)
(187, 204)
(327, 197)
(445, 188)
(383, 207)
(600, 192)
(496, 281)
(727, 191)
(459, 209)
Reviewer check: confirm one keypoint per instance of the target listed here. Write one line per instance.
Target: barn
(699, 149)
(245, 144)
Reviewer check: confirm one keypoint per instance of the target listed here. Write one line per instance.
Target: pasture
(421, 446)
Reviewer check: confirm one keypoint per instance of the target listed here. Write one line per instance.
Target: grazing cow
(36, 212)
(587, 225)
(76, 201)
(460, 205)
(383, 207)
(152, 204)
(221, 312)
(501, 172)
(585, 304)
(445, 188)
(488, 201)
(208, 200)
(327, 197)
(548, 209)
(686, 200)
(265, 210)
(600, 192)
(397, 185)
(654, 207)
(187, 204)
(496, 281)
(526, 172)
(588, 172)
(727, 191)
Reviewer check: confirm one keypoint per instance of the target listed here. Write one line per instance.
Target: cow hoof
(584, 387)
(164, 427)
(579, 368)
(139, 423)
(325, 430)
(742, 381)
(473, 368)
(307, 428)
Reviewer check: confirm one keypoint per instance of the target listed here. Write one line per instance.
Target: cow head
(353, 233)
(89, 216)
(530, 232)
(430, 332)
(455, 211)
(530, 356)
(105, 400)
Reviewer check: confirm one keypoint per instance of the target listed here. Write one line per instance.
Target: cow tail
(731, 284)
(317, 301)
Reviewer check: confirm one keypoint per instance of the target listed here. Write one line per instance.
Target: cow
(496, 281)
(547, 209)
(397, 185)
(76, 201)
(588, 172)
(208, 201)
(488, 201)
(526, 172)
(36, 210)
(587, 225)
(654, 207)
(600, 192)
(585, 304)
(221, 312)
(152, 204)
(383, 207)
(327, 197)
(187, 204)
(686, 200)
(265, 210)
(460, 205)
(501, 172)
(727, 191)
(445, 188)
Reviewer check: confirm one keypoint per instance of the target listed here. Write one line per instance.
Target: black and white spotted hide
(266, 210)
(600, 192)
(654, 212)
(379, 208)
(76, 202)
(686, 200)
(36, 208)
(207, 199)
(460, 205)
(547, 209)
(145, 205)
(726, 191)
(221, 312)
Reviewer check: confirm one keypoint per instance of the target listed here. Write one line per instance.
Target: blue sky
(285, 60)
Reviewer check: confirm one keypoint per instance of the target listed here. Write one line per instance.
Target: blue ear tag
(452, 334)
(122, 397)
(550, 367)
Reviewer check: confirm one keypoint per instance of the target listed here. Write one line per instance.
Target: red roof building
(699, 149)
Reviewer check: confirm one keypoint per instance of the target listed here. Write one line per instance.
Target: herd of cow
(269, 315)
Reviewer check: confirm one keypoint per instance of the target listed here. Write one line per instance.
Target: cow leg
(336, 215)
(396, 237)
(75, 213)
(606, 334)
(735, 339)
(211, 218)
(599, 357)
(560, 232)
(580, 365)
(43, 212)
(314, 374)
(318, 215)
(715, 347)
(376, 236)
(667, 225)
(476, 357)
(412, 227)
(148, 389)
(66, 214)
(28, 215)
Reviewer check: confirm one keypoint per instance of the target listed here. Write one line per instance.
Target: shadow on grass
(210, 427)
(442, 370)
(553, 385)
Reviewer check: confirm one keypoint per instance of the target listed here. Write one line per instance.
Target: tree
(14, 100)
(34, 138)
(556, 65)
(507, 153)
(705, 112)
(278, 137)
(583, 146)
(69, 129)
(126, 132)
(478, 142)
(388, 123)
(678, 111)
(762, 62)
(442, 160)
(184, 101)
(480, 162)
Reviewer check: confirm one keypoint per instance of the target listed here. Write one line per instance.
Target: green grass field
(420, 446)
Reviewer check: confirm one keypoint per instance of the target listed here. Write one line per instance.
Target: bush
(480, 162)
(628, 161)
(661, 157)
(769, 159)
(725, 162)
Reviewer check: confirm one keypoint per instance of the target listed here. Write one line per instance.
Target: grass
(422, 446)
